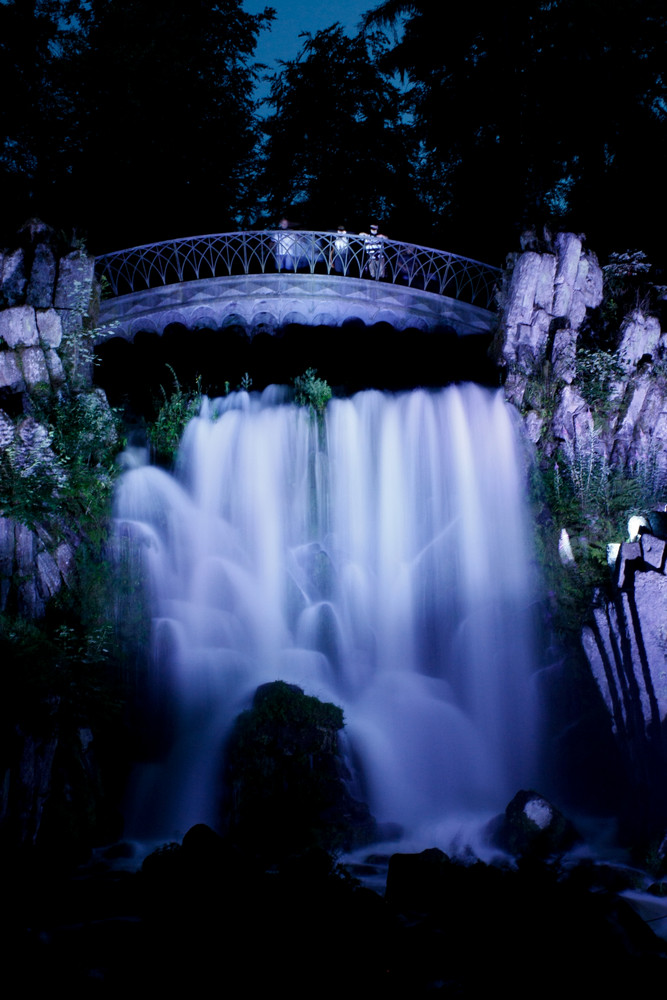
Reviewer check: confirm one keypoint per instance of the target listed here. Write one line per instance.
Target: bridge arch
(234, 279)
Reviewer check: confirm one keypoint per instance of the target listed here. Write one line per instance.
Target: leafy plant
(176, 411)
(597, 370)
(59, 467)
(623, 284)
(312, 391)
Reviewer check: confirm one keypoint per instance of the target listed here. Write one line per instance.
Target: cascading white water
(380, 561)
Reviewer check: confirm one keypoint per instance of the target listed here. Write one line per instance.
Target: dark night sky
(296, 16)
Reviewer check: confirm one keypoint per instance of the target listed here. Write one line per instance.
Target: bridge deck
(266, 280)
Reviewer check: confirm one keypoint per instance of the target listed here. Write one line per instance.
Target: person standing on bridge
(285, 244)
(374, 252)
(340, 251)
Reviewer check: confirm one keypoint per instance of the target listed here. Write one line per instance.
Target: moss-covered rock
(286, 778)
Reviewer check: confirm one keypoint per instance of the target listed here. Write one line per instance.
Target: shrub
(174, 414)
(312, 391)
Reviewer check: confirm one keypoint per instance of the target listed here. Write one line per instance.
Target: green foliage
(170, 78)
(57, 673)
(483, 89)
(279, 705)
(582, 493)
(596, 371)
(312, 391)
(64, 473)
(624, 285)
(174, 414)
(285, 774)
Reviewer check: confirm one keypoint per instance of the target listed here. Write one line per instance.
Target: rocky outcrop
(626, 647)
(598, 418)
(626, 644)
(33, 567)
(542, 313)
(46, 300)
(618, 407)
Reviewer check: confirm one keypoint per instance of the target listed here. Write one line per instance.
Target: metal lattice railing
(230, 254)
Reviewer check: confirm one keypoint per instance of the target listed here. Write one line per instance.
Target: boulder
(287, 780)
(531, 825)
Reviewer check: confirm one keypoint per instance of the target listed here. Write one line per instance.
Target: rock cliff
(47, 306)
(595, 408)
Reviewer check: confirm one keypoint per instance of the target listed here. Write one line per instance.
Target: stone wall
(46, 301)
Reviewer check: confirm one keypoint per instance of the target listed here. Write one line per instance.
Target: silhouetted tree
(172, 125)
(132, 119)
(41, 44)
(336, 149)
(532, 111)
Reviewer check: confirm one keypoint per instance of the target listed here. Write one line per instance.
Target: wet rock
(531, 825)
(626, 647)
(285, 775)
(33, 447)
(590, 280)
(30, 604)
(629, 557)
(34, 783)
(521, 298)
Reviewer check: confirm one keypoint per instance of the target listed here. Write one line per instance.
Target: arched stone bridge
(263, 281)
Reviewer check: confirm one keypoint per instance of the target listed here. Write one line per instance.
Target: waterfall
(379, 557)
